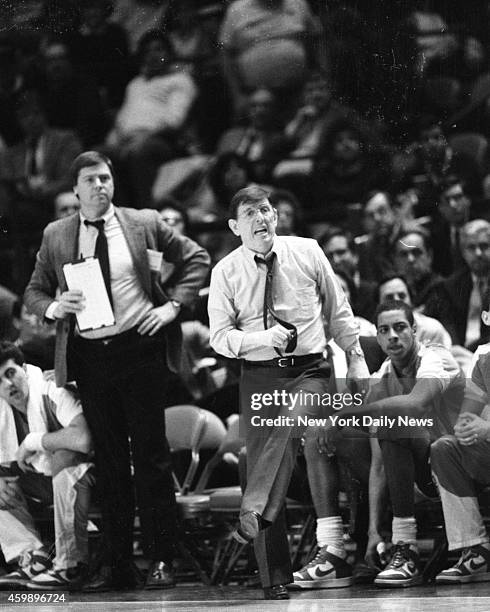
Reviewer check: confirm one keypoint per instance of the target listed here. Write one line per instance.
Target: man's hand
(279, 336)
(9, 492)
(157, 318)
(358, 375)
(471, 428)
(23, 454)
(372, 556)
(69, 302)
(326, 436)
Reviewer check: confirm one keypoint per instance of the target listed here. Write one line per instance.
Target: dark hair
(389, 277)
(343, 124)
(394, 305)
(88, 159)
(150, 36)
(253, 194)
(8, 350)
(218, 169)
(333, 232)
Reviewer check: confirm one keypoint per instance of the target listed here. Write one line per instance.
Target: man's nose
(392, 335)
(410, 257)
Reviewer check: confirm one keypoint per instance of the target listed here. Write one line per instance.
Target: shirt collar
(278, 248)
(107, 216)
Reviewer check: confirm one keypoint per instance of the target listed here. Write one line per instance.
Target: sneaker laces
(399, 556)
(465, 555)
(317, 559)
(25, 559)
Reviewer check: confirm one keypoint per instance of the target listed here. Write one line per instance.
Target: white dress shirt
(305, 292)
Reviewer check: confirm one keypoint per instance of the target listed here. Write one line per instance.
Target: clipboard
(86, 275)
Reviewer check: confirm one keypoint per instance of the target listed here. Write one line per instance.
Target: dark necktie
(102, 253)
(268, 308)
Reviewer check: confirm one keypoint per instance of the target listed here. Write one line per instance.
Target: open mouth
(262, 231)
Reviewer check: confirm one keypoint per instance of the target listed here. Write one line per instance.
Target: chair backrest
(230, 443)
(192, 428)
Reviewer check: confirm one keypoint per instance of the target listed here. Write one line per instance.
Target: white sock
(405, 530)
(329, 532)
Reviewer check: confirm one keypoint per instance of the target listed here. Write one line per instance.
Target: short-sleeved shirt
(434, 362)
(478, 386)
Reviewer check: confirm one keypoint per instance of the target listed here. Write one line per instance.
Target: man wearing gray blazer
(122, 370)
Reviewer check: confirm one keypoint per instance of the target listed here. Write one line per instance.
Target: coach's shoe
(473, 566)
(325, 571)
(277, 591)
(160, 576)
(248, 528)
(403, 569)
(70, 579)
(30, 564)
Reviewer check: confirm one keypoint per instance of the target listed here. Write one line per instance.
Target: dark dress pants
(271, 456)
(123, 385)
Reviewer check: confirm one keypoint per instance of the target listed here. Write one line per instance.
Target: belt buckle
(285, 362)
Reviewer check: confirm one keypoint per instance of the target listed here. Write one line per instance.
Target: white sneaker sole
(332, 583)
(401, 583)
(484, 577)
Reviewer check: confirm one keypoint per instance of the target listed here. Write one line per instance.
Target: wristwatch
(177, 305)
(355, 352)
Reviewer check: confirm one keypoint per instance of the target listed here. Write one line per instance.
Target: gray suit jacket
(143, 229)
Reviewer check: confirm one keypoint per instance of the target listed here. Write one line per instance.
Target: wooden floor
(470, 598)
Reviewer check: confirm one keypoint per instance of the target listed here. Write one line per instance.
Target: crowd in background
(371, 121)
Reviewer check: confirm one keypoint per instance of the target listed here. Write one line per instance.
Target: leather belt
(105, 341)
(285, 362)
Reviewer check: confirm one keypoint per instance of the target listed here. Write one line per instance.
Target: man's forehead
(95, 170)
(392, 317)
(248, 205)
(483, 236)
(337, 242)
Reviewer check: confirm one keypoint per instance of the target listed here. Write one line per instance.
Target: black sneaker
(473, 566)
(70, 579)
(325, 571)
(31, 564)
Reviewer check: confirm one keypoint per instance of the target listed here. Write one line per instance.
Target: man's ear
(232, 224)
(414, 329)
(485, 316)
(76, 193)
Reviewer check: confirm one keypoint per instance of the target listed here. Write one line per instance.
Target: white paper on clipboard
(86, 275)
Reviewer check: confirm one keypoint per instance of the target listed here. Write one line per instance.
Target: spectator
(383, 226)
(428, 330)
(32, 173)
(137, 17)
(175, 216)
(304, 132)
(65, 204)
(149, 126)
(456, 301)
(260, 141)
(268, 43)
(454, 210)
(413, 260)
(72, 99)
(229, 173)
(289, 213)
(100, 48)
(340, 248)
(348, 165)
(425, 166)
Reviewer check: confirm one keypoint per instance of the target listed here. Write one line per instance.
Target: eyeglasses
(250, 213)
